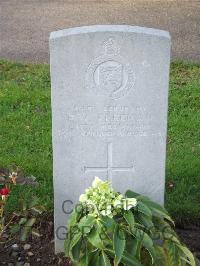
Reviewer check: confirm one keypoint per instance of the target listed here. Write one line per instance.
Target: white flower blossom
(83, 198)
(97, 181)
(117, 203)
(100, 199)
(103, 213)
(129, 203)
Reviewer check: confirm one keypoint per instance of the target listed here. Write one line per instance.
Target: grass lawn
(25, 133)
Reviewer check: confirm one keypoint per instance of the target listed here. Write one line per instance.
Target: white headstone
(109, 105)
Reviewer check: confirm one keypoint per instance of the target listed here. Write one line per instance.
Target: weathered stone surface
(109, 107)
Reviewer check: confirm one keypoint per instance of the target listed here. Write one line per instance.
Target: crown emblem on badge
(111, 47)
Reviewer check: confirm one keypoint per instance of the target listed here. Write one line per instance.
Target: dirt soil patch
(41, 250)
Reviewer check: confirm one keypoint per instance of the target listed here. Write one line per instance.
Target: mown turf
(25, 133)
(183, 150)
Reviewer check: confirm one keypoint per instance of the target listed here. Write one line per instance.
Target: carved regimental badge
(109, 74)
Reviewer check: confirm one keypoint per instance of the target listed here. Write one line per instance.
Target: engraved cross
(109, 168)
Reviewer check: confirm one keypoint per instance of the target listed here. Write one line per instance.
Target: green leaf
(95, 239)
(84, 260)
(133, 246)
(104, 260)
(30, 222)
(72, 219)
(26, 229)
(161, 258)
(75, 216)
(171, 237)
(155, 208)
(38, 209)
(94, 257)
(163, 214)
(127, 259)
(145, 220)
(103, 232)
(131, 194)
(14, 229)
(141, 207)
(129, 217)
(188, 254)
(23, 220)
(173, 258)
(146, 242)
(67, 247)
(185, 261)
(162, 225)
(108, 222)
(75, 239)
(24, 233)
(86, 223)
(146, 200)
(17, 213)
(23, 205)
(158, 210)
(118, 244)
(76, 250)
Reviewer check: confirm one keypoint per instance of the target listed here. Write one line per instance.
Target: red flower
(4, 191)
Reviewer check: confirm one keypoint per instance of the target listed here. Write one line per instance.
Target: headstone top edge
(109, 28)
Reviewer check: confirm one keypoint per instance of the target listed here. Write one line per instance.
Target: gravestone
(109, 107)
